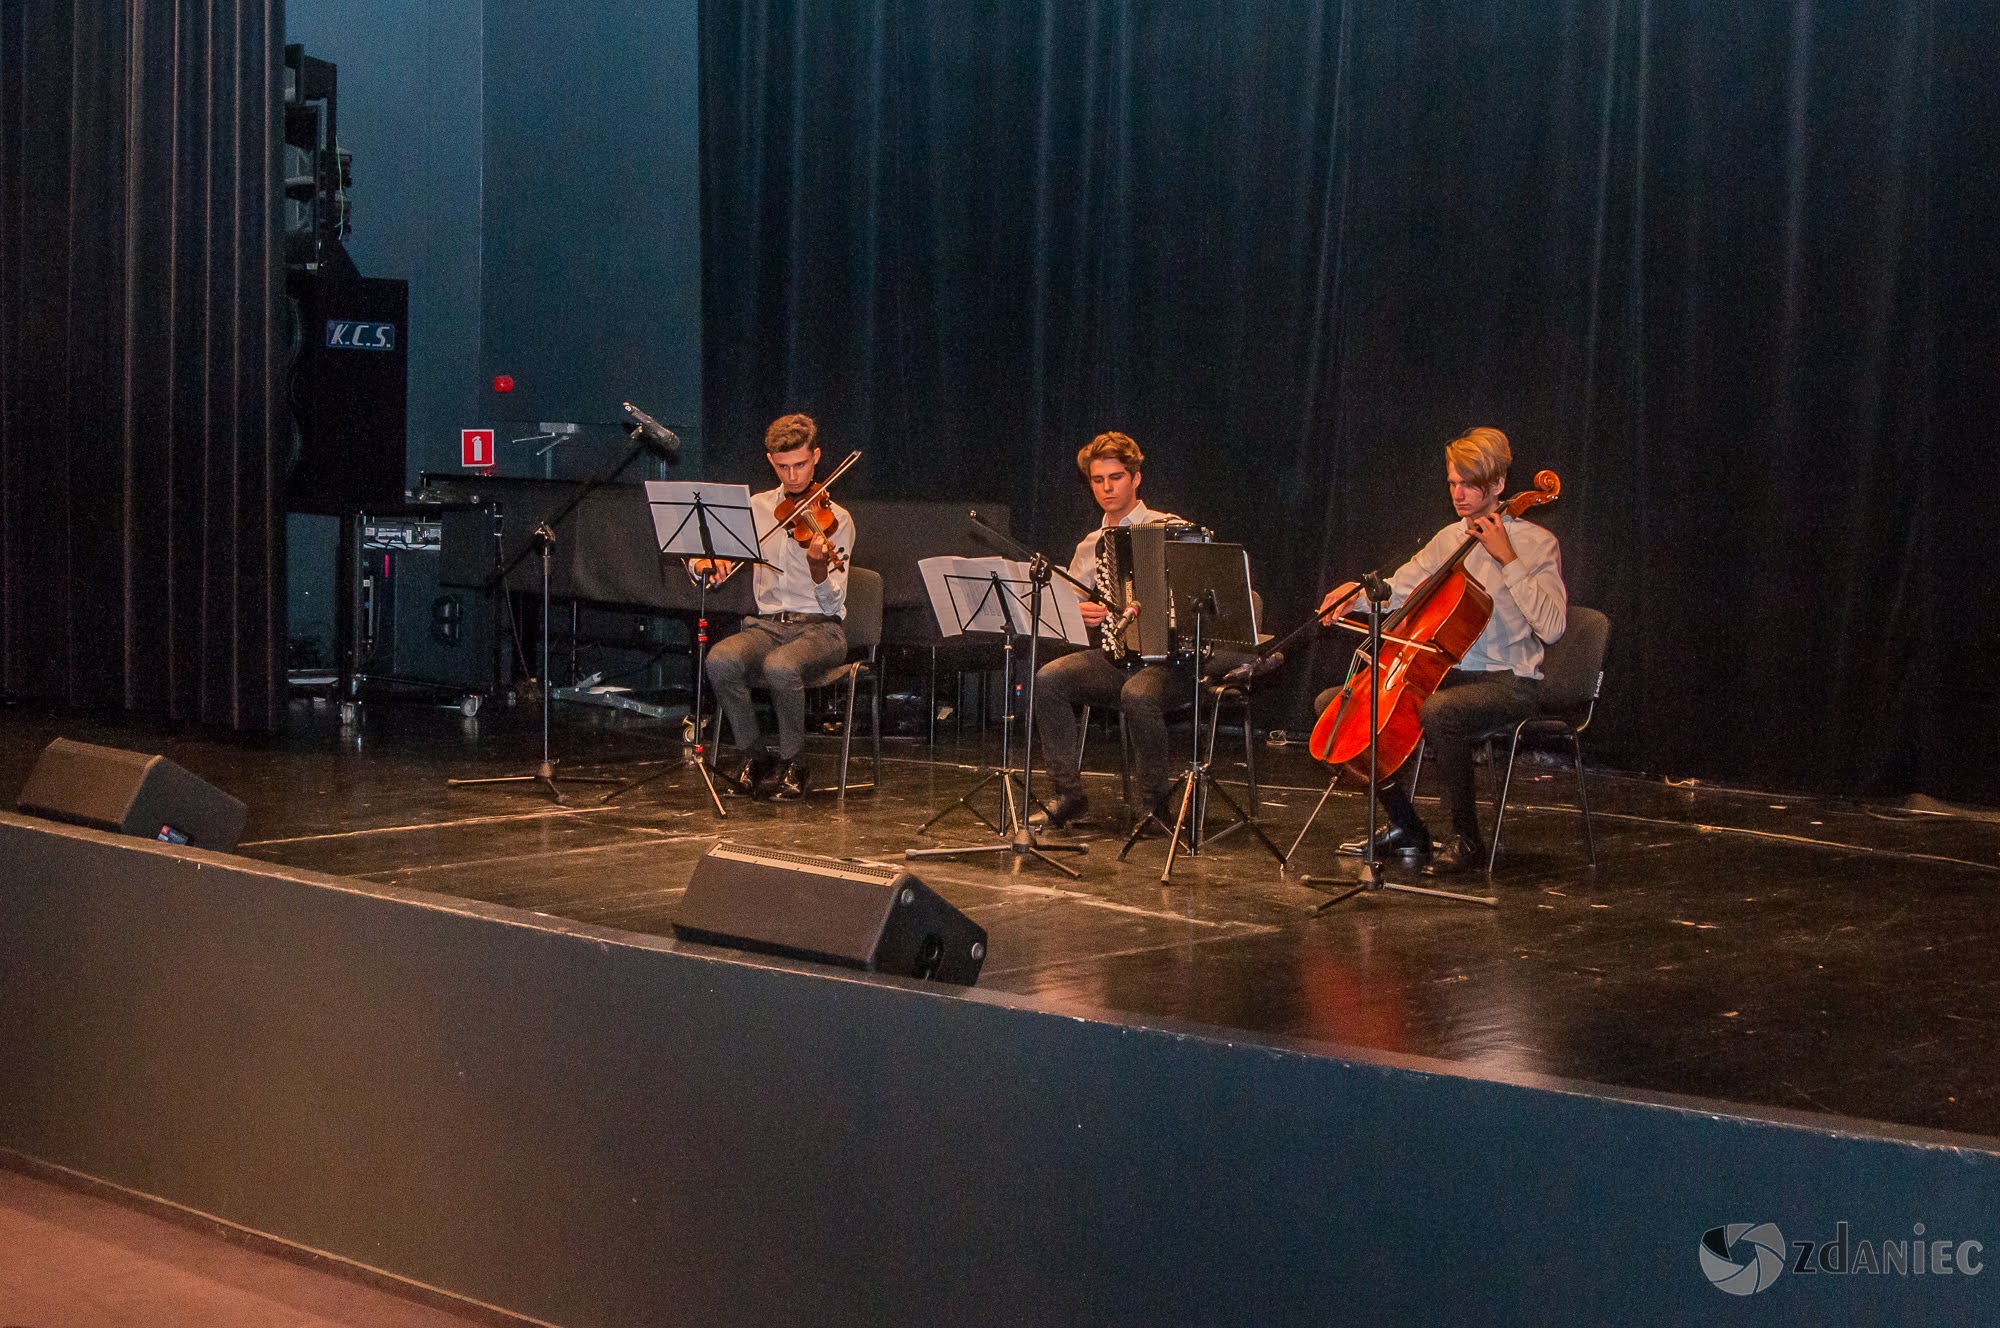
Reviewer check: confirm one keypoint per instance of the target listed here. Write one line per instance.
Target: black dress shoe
(755, 769)
(788, 784)
(1398, 841)
(1462, 855)
(1060, 812)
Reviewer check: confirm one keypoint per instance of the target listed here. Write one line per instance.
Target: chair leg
(1082, 734)
(1492, 755)
(1125, 758)
(875, 724)
(847, 734)
(1583, 798)
(1417, 769)
(1500, 808)
(1250, 754)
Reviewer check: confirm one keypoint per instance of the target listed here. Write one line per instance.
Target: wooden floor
(1776, 951)
(73, 1259)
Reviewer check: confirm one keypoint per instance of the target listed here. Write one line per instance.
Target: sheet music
(965, 599)
(724, 509)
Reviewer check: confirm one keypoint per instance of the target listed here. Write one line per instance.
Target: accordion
(1153, 579)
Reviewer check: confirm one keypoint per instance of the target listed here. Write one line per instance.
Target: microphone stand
(1199, 782)
(1377, 591)
(544, 541)
(1020, 836)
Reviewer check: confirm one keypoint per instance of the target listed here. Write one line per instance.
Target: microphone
(1377, 588)
(660, 435)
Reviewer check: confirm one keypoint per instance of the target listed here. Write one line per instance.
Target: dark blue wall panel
(592, 228)
(531, 171)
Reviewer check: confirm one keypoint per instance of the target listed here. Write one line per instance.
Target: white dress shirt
(786, 584)
(1083, 565)
(1530, 602)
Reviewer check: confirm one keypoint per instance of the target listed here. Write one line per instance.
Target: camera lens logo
(1760, 1248)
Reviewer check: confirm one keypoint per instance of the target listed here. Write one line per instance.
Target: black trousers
(1464, 708)
(1086, 677)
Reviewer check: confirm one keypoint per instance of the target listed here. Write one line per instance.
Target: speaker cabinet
(131, 793)
(430, 632)
(880, 919)
(350, 394)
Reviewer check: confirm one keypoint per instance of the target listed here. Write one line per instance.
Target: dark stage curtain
(1720, 266)
(141, 545)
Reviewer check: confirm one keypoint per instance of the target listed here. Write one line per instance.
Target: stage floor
(1763, 950)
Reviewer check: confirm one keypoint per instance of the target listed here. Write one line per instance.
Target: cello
(1422, 641)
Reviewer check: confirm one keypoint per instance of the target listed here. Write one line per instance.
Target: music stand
(1209, 583)
(1018, 837)
(692, 519)
(990, 595)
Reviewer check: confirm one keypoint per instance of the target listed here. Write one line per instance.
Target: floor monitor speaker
(881, 919)
(131, 793)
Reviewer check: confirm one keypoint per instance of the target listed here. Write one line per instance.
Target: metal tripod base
(545, 775)
(1022, 844)
(1301, 837)
(963, 802)
(1345, 888)
(697, 758)
(1197, 785)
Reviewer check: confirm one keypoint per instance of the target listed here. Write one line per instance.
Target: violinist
(1498, 682)
(797, 631)
(1110, 464)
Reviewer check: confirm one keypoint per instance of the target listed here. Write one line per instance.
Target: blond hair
(1116, 446)
(789, 433)
(1481, 455)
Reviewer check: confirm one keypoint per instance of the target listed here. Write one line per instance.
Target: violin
(812, 518)
(809, 516)
(1422, 641)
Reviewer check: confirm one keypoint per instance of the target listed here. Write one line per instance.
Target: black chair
(864, 644)
(1572, 678)
(900, 535)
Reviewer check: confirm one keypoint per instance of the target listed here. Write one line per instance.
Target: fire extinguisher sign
(476, 447)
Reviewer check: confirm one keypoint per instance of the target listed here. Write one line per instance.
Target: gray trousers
(780, 657)
(1086, 677)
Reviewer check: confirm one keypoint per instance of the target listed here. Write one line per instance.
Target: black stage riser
(598, 1129)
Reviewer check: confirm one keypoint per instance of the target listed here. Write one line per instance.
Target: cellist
(1498, 682)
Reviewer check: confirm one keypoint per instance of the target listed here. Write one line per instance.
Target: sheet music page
(965, 599)
(731, 526)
